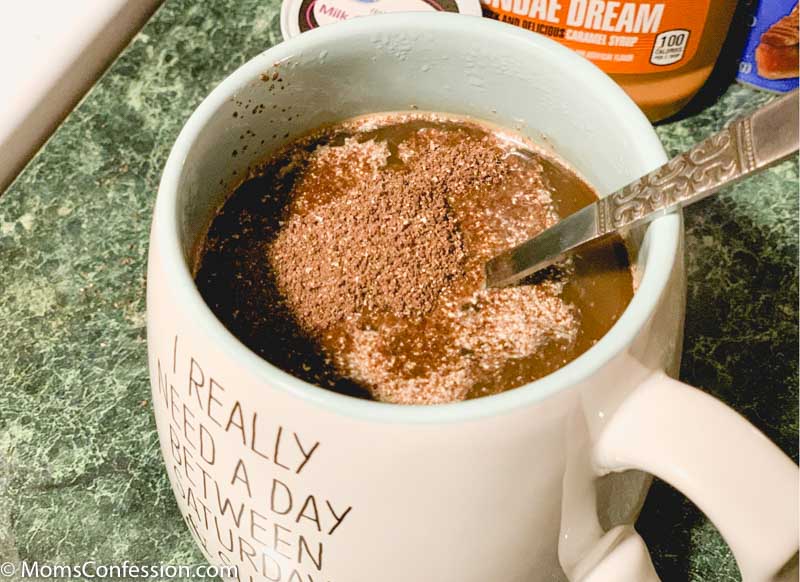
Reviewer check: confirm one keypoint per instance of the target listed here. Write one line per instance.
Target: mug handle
(728, 468)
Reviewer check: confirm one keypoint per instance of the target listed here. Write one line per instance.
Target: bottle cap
(298, 16)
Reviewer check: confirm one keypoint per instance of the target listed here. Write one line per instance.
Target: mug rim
(662, 251)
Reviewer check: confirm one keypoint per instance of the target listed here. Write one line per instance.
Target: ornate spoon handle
(746, 146)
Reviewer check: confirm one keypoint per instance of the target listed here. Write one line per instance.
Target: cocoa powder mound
(389, 245)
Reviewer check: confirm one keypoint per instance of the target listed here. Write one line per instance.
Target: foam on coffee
(353, 259)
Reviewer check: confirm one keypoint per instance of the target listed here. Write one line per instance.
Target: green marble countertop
(80, 471)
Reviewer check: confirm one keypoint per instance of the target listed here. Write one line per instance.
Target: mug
(293, 483)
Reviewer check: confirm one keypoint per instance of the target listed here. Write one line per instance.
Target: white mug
(293, 483)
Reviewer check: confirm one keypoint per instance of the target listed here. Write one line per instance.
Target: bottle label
(619, 37)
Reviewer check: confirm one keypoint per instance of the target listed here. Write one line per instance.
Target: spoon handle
(746, 146)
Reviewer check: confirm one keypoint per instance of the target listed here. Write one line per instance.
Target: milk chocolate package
(770, 59)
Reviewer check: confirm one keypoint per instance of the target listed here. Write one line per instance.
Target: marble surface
(80, 471)
(51, 53)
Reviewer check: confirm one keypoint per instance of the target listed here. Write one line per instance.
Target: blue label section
(768, 13)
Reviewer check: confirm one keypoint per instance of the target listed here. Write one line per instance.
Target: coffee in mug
(353, 259)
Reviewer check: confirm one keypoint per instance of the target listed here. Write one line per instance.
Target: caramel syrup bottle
(661, 53)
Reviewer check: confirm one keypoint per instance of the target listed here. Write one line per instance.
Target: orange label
(619, 37)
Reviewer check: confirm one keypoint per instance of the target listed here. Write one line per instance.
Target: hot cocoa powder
(388, 245)
(353, 259)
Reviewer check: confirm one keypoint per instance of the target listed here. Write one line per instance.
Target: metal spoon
(748, 145)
